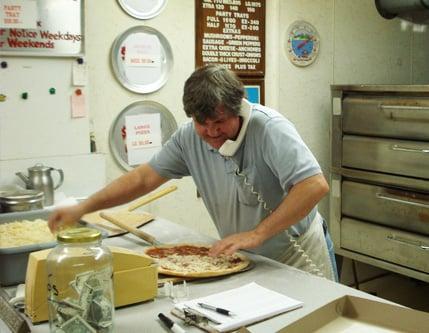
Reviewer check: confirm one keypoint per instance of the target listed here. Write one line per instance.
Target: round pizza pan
(117, 140)
(143, 9)
(141, 59)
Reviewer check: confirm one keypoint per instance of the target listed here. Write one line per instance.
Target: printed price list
(231, 33)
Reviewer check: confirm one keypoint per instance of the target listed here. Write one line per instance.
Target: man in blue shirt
(257, 178)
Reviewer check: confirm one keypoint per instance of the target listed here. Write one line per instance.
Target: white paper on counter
(249, 303)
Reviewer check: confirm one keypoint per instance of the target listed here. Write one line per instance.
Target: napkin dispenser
(135, 279)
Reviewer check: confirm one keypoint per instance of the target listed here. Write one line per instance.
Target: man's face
(215, 131)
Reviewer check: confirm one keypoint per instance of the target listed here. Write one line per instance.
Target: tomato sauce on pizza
(189, 260)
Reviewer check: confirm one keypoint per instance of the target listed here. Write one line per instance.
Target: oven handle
(411, 150)
(394, 199)
(405, 241)
(405, 112)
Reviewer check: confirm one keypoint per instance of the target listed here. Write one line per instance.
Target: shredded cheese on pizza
(19, 233)
(195, 263)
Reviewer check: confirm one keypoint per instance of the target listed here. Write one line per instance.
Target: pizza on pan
(193, 260)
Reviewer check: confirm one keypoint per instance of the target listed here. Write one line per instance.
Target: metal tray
(117, 141)
(141, 59)
(13, 260)
(143, 9)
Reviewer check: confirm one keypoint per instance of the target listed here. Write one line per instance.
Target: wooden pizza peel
(120, 222)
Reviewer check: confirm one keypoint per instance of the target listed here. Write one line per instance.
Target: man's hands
(235, 242)
(65, 216)
(300, 200)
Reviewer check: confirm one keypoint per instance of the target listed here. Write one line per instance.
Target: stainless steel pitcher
(40, 178)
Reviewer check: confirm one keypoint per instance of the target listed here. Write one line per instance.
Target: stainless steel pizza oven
(379, 200)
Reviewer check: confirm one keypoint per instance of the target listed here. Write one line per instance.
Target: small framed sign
(53, 28)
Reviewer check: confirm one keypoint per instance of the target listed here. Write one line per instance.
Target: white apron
(309, 251)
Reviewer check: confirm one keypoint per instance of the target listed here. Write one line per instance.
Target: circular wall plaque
(118, 135)
(141, 59)
(143, 10)
(302, 43)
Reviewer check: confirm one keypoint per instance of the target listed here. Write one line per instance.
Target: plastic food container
(13, 260)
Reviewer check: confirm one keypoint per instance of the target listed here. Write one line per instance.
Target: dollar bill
(90, 310)
(81, 278)
(77, 325)
(101, 312)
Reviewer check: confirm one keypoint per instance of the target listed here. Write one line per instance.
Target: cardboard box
(354, 314)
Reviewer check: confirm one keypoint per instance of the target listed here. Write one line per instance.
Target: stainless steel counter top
(313, 291)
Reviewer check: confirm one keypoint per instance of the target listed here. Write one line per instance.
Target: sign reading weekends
(231, 33)
(57, 28)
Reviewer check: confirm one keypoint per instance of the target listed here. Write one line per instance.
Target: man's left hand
(235, 242)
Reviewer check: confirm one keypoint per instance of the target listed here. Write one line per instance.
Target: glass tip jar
(80, 286)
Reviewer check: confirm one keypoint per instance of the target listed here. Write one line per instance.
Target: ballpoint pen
(170, 324)
(214, 308)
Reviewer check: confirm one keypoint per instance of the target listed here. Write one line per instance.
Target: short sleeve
(169, 161)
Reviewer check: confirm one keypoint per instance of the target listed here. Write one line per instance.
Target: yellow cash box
(135, 279)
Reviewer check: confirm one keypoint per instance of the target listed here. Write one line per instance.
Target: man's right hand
(64, 217)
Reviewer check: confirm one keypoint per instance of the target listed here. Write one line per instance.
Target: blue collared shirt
(272, 157)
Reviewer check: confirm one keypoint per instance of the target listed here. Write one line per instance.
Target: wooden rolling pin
(139, 233)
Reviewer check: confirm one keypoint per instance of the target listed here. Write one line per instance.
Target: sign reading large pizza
(231, 33)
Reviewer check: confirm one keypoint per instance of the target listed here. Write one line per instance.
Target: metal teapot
(40, 178)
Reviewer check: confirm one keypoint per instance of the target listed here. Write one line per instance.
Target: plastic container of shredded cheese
(13, 260)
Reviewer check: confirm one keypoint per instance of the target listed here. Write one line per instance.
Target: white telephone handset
(230, 147)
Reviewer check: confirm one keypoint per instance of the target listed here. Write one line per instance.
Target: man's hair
(209, 87)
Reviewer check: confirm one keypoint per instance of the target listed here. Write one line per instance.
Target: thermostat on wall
(302, 43)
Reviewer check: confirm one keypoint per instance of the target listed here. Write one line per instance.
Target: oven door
(390, 244)
(400, 157)
(395, 207)
(386, 116)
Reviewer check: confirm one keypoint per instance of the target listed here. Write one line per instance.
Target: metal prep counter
(143, 317)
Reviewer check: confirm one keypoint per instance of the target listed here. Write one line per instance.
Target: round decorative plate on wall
(118, 133)
(141, 59)
(143, 9)
(302, 43)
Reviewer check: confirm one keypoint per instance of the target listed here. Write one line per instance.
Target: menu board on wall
(58, 28)
(231, 33)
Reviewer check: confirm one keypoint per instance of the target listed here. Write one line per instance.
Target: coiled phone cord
(313, 268)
